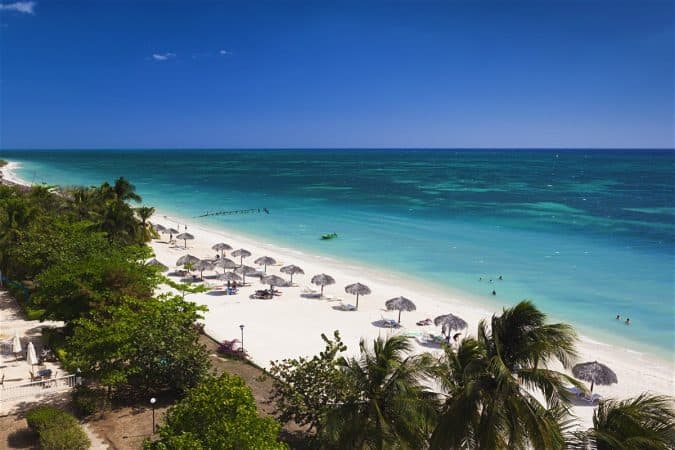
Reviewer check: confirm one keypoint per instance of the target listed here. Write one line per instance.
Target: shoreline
(284, 320)
(294, 324)
(9, 175)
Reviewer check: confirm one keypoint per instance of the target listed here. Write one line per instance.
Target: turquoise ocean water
(585, 234)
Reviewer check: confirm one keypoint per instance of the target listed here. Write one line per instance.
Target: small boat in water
(328, 236)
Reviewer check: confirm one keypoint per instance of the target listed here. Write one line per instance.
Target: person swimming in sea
(494, 292)
(500, 277)
(618, 317)
(627, 320)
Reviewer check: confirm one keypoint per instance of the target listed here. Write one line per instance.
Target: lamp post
(153, 400)
(241, 327)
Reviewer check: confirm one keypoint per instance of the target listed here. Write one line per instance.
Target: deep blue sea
(587, 235)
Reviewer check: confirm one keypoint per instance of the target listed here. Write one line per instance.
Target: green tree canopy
(220, 414)
(68, 290)
(305, 390)
(147, 345)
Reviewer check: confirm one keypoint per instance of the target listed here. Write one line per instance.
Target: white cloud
(163, 56)
(22, 7)
(225, 52)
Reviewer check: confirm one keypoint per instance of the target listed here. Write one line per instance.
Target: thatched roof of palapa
(291, 269)
(357, 289)
(595, 372)
(322, 279)
(400, 304)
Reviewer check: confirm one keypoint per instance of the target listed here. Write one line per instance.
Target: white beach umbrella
(31, 357)
(16, 345)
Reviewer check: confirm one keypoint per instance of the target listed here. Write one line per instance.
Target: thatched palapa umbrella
(225, 263)
(451, 322)
(595, 373)
(292, 269)
(156, 263)
(273, 280)
(357, 289)
(245, 270)
(265, 261)
(229, 276)
(221, 247)
(203, 265)
(241, 253)
(400, 304)
(185, 237)
(159, 228)
(187, 260)
(322, 280)
(171, 232)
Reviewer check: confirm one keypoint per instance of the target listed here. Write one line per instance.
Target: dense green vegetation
(77, 255)
(219, 413)
(56, 429)
(481, 395)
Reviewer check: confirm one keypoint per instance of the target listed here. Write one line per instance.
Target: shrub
(232, 349)
(70, 438)
(34, 314)
(46, 416)
(85, 400)
(56, 429)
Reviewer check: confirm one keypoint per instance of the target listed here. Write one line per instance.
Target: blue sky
(471, 73)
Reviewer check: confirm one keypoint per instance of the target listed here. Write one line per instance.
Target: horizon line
(331, 148)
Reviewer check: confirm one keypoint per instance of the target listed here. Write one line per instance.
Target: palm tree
(489, 384)
(646, 422)
(392, 409)
(17, 214)
(125, 191)
(80, 200)
(145, 212)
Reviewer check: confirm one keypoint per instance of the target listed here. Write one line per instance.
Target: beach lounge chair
(430, 339)
(582, 397)
(390, 323)
(348, 307)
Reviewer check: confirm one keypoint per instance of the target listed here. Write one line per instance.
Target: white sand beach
(290, 325)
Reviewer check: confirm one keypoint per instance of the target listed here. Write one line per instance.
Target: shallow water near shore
(586, 234)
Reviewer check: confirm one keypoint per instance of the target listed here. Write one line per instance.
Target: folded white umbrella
(31, 357)
(16, 344)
